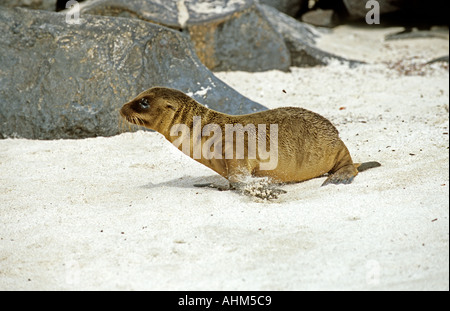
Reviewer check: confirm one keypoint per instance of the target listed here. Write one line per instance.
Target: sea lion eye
(144, 103)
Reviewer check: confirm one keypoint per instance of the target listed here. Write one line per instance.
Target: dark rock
(357, 8)
(68, 81)
(64, 4)
(290, 7)
(336, 5)
(415, 33)
(158, 12)
(322, 18)
(227, 35)
(442, 59)
(408, 13)
(300, 39)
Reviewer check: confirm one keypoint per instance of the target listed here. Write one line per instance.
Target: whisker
(136, 120)
(140, 121)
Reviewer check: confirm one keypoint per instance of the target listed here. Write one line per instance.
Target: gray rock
(300, 39)
(322, 18)
(227, 35)
(30, 4)
(68, 81)
(244, 41)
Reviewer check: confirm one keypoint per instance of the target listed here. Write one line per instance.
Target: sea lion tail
(366, 165)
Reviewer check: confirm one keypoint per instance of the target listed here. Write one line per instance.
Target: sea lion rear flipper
(344, 175)
(366, 165)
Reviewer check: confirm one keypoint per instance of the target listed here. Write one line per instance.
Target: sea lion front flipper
(344, 175)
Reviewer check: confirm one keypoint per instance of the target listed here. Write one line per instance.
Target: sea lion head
(153, 108)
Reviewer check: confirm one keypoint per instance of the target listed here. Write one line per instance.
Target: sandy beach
(122, 212)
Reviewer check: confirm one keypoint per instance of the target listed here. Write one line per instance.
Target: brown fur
(308, 144)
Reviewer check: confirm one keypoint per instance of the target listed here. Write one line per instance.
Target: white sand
(122, 213)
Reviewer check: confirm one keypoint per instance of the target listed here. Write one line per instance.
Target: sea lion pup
(303, 144)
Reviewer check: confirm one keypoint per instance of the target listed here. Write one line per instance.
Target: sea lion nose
(123, 111)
